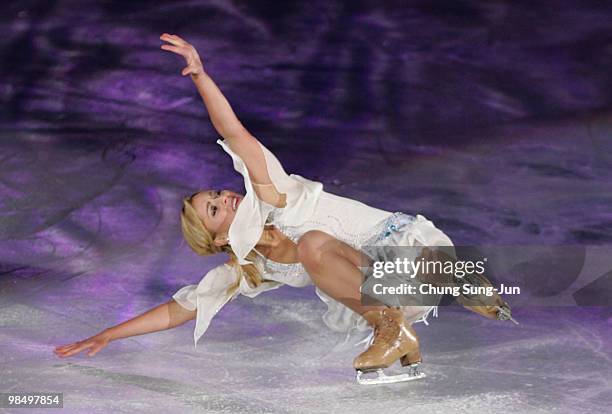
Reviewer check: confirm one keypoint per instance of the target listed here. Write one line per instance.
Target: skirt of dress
(399, 229)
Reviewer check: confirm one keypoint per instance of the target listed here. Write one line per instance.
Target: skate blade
(508, 316)
(388, 379)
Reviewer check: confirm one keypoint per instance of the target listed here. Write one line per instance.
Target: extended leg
(492, 307)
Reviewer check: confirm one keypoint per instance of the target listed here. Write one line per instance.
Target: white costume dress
(308, 207)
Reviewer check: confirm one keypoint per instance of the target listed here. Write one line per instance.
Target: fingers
(72, 349)
(59, 348)
(175, 40)
(180, 47)
(68, 351)
(174, 49)
(169, 36)
(172, 41)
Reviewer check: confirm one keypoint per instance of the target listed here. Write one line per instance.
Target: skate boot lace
(386, 331)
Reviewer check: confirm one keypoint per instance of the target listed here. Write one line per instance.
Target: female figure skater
(286, 230)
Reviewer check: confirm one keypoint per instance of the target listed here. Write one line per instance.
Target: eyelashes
(214, 208)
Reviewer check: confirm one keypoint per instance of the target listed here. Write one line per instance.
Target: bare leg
(333, 266)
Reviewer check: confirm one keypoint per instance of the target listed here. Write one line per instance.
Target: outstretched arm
(224, 120)
(165, 316)
(220, 112)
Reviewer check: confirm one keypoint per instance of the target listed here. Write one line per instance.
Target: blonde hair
(201, 241)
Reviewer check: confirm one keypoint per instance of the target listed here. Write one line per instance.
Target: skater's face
(217, 209)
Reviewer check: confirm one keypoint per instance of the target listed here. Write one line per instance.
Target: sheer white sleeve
(212, 293)
(301, 199)
(208, 297)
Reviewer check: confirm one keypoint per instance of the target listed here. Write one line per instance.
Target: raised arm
(224, 120)
(165, 316)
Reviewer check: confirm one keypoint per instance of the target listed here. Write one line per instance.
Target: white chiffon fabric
(308, 207)
(248, 223)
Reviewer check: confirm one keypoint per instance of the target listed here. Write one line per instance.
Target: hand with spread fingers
(179, 46)
(94, 344)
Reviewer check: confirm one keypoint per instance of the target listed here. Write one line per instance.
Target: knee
(310, 247)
